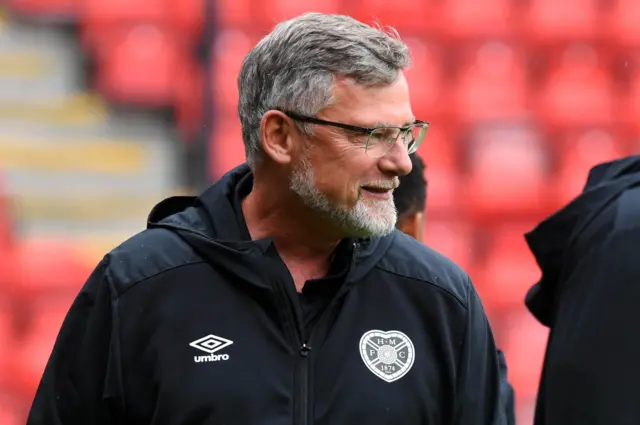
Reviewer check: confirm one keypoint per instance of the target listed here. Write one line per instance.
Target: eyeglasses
(380, 140)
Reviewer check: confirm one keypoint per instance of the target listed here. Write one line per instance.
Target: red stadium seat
(440, 154)
(580, 151)
(508, 173)
(47, 315)
(470, 18)
(234, 13)
(188, 17)
(139, 65)
(101, 13)
(492, 86)
(524, 349)
(6, 337)
(632, 100)
(509, 269)
(578, 90)
(40, 272)
(425, 78)
(226, 146)
(185, 18)
(57, 8)
(415, 16)
(622, 23)
(550, 21)
(450, 237)
(271, 12)
(189, 101)
(231, 46)
(13, 409)
(8, 268)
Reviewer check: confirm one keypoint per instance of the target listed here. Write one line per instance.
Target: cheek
(337, 182)
(338, 173)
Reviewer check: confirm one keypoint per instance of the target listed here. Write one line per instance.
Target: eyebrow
(383, 124)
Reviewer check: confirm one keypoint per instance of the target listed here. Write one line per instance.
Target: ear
(276, 131)
(412, 224)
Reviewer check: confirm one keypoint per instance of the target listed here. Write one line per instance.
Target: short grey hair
(295, 66)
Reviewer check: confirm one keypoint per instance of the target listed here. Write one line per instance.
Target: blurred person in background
(588, 296)
(283, 294)
(411, 201)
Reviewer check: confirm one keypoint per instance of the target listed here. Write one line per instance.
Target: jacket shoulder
(414, 260)
(627, 210)
(147, 254)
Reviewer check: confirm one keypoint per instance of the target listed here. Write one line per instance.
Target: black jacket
(191, 323)
(507, 394)
(589, 294)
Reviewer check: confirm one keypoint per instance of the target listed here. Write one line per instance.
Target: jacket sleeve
(80, 381)
(507, 394)
(478, 399)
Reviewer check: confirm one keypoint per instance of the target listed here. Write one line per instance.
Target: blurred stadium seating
(523, 98)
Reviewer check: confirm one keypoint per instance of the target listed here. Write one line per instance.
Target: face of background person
(411, 199)
(334, 176)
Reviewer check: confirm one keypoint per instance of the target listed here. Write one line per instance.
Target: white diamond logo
(211, 343)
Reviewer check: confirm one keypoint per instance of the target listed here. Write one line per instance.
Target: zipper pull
(304, 350)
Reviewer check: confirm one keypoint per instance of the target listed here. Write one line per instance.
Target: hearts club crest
(389, 355)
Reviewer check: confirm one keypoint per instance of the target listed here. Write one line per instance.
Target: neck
(295, 229)
(304, 241)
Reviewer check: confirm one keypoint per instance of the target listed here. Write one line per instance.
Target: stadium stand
(523, 98)
(78, 174)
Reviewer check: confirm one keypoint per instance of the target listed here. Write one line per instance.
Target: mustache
(383, 184)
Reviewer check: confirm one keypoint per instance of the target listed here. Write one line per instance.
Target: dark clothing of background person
(589, 297)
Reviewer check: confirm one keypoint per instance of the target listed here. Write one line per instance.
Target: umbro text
(211, 358)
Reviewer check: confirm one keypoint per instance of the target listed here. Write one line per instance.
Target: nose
(396, 162)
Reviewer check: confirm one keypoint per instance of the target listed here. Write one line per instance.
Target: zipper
(304, 349)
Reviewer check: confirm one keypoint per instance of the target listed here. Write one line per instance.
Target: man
(588, 296)
(410, 199)
(282, 294)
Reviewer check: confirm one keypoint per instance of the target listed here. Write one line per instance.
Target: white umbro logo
(210, 344)
(389, 355)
